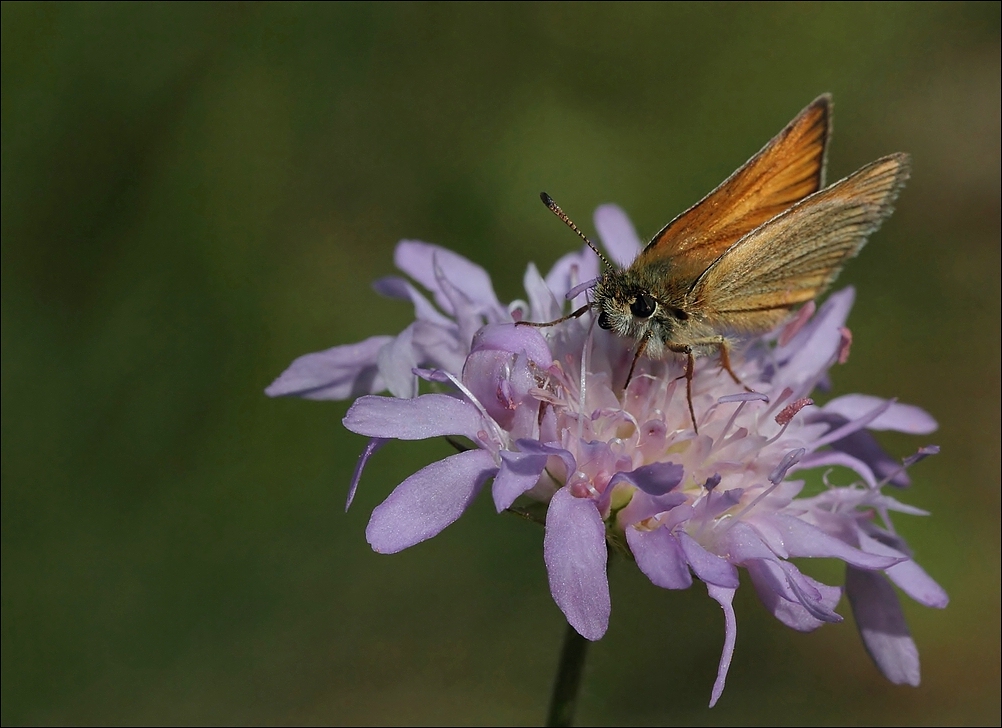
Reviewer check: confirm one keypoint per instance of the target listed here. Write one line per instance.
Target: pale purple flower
(543, 414)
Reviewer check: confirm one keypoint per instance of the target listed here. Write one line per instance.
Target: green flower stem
(568, 683)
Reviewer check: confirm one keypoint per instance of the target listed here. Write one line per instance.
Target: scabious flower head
(543, 414)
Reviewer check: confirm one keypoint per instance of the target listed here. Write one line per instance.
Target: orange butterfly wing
(786, 170)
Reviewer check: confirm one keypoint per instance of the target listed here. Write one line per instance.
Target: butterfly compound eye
(643, 306)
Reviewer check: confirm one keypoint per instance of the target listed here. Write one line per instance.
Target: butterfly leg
(640, 350)
(725, 362)
(690, 367)
(572, 315)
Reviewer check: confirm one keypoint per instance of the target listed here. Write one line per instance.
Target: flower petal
(418, 260)
(708, 567)
(543, 305)
(849, 427)
(519, 472)
(659, 555)
(571, 270)
(397, 361)
(569, 463)
(513, 340)
(619, 237)
(882, 626)
(400, 288)
(811, 351)
(643, 506)
(833, 457)
(429, 415)
(819, 599)
(654, 479)
(440, 346)
(909, 576)
(428, 501)
(900, 417)
(859, 443)
(802, 539)
(725, 598)
(341, 372)
(575, 554)
(807, 602)
(791, 613)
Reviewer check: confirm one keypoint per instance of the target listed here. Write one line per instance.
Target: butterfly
(769, 238)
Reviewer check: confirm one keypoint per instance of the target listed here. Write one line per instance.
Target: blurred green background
(194, 195)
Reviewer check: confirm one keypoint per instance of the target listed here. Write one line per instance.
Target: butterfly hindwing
(795, 256)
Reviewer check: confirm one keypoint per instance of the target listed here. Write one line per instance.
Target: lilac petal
(909, 576)
(418, 260)
(775, 579)
(708, 567)
(514, 339)
(399, 288)
(725, 598)
(794, 325)
(746, 547)
(660, 557)
(643, 506)
(791, 613)
(428, 501)
(370, 449)
(840, 432)
(802, 539)
(882, 626)
(342, 372)
(900, 417)
(533, 446)
(808, 354)
(618, 235)
(833, 457)
(468, 311)
(654, 479)
(913, 580)
(501, 382)
(819, 599)
(519, 472)
(397, 361)
(571, 270)
(440, 346)
(575, 554)
(863, 446)
(542, 303)
(743, 543)
(429, 415)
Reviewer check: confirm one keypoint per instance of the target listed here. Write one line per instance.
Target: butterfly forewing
(795, 256)
(787, 169)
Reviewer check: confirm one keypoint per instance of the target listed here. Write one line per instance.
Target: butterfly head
(630, 307)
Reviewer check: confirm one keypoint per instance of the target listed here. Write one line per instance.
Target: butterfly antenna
(555, 209)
